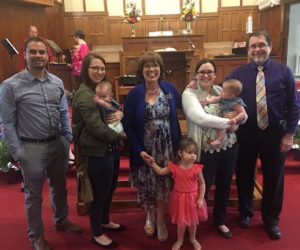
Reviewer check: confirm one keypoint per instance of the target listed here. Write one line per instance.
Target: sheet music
(10, 48)
(54, 46)
(13, 47)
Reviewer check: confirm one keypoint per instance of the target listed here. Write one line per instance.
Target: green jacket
(90, 130)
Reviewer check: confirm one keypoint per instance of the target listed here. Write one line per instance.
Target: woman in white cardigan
(203, 122)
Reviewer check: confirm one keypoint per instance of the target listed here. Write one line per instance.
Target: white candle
(249, 25)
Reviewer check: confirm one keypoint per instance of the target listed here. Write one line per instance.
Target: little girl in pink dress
(187, 206)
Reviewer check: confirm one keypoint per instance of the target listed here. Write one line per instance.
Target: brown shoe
(69, 226)
(40, 244)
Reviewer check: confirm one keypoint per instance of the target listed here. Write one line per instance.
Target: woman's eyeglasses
(209, 73)
(149, 66)
(97, 69)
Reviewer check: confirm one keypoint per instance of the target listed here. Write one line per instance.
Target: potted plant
(12, 172)
(296, 146)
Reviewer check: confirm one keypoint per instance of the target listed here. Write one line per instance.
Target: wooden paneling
(15, 21)
(272, 21)
(177, 67)
(65, 74)
(71, 24)
(112, 71)
(129, 61)
(6, 67)
(94, 27)
(55, 29)
(226, 65)
(226, 25)
(207, 26)
(37, 2)
(151, 43)
(232, 22)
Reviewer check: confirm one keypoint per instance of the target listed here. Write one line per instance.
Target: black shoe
(226, 235)
(274, 232)
(245, 222)
(111, 245)
(120, 228)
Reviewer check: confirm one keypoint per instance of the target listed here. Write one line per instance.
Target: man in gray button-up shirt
(37, 131)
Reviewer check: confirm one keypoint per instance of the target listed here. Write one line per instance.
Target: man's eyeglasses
(97, 69)
(259, 45)
(209, 73)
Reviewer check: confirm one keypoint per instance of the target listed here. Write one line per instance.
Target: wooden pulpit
(177, 67)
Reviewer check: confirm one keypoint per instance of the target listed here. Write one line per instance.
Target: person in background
(81, 49)
(104, 99)
(187, 205)
(269, 137)
(153, 131)
(203, 122)
(37, 131)
(32, 32)
(98, 149)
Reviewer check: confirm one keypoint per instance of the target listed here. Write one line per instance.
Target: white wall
(115, 7)
(210, 6)
(293, 54)
(73, 5)
(230, 3)
(152, 7)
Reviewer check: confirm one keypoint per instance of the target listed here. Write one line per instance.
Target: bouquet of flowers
(132, 14)
(188, 12)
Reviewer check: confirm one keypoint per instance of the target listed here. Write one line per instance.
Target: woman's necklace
(206, 93)
(153, 92)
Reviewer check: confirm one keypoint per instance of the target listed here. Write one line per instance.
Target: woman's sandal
(149, 228)
(162, 233)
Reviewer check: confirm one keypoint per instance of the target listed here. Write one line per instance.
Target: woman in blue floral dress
(153, 131)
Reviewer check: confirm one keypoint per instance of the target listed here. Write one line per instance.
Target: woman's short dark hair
(204, 61)
(84, 74)
(80, 34)
(149, 57)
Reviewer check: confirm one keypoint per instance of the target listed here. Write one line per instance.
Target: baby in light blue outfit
(231, 105)
(104, 99)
